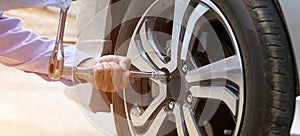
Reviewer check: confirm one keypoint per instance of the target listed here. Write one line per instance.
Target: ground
(30, 106)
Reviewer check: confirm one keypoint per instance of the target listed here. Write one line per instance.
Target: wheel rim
(200, 53)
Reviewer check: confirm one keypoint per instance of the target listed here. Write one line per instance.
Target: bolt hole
(167, 73)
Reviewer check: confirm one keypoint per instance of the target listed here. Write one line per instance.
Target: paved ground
(30, 106)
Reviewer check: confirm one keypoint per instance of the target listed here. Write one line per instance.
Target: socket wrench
(56, 62)
(158, 75)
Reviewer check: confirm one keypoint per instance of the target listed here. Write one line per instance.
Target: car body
(289, 9)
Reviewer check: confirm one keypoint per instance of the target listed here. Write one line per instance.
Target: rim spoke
(216, 92)
(197, 13)
(151, 49)
(139, 58)
(157, 123)
(191, 124)
(142, 119)
(180, 7)
(228, 68)
(179, 120)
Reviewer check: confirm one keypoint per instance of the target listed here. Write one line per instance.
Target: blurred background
(30, 106)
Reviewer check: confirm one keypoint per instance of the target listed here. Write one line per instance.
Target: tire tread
(277, 50)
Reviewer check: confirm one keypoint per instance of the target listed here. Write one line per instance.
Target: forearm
(25, 50)
(13, 4)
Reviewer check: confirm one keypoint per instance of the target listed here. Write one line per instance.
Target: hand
(111, 73)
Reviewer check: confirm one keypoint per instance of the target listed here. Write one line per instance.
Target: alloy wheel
(204, 93)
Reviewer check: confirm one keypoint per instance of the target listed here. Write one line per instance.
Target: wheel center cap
(176, 87)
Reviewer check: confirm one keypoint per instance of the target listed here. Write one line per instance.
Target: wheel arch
(126, 16)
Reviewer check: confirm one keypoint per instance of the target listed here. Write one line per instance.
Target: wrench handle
(159, 75)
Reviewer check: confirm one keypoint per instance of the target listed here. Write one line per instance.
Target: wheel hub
(177, 87)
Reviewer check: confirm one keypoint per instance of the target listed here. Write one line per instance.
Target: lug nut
(228, 132)
(184, 68)
(171, 105)
(189, 98)
(135, 110)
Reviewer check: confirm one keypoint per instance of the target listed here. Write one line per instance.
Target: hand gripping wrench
(56, 63)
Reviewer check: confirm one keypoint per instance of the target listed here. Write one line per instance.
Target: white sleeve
(14, 4)
(25, 50)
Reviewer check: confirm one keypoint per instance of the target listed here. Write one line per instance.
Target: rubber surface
(269, 71)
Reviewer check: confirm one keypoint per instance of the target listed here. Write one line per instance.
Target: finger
(125, 79)
(116, 75)
(108, 58)
(99, 75)
(124, 62)
(108, 77)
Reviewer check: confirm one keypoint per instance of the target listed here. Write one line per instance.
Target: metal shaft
(56, 62)
(158, 75)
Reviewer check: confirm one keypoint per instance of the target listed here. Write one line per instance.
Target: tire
(264, 86)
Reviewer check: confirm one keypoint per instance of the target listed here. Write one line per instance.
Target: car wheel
(229, 66)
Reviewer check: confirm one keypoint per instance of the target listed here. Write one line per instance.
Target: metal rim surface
(196, 46)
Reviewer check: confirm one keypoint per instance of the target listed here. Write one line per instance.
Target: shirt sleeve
(27, 51)
(13, 4)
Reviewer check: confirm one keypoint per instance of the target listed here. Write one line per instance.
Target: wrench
(56, 63)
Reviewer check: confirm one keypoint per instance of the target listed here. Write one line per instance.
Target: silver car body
(290, 12)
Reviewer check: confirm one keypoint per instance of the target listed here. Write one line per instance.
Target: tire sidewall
(256, 68)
